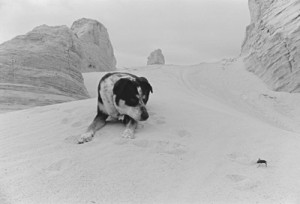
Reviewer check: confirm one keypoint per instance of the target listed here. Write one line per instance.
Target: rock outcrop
(156, 57)
(98, 54)
(272, 44)
(44, 66)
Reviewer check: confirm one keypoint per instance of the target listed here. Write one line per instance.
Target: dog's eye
(133, 102)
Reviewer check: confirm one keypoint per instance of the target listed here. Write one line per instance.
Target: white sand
(208, 125)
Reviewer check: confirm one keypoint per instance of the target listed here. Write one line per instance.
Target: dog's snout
(144, 115)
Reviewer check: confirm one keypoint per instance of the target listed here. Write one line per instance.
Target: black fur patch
(126, 89)
(126, 119)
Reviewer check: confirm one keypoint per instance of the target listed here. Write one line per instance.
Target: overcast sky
(187, 31)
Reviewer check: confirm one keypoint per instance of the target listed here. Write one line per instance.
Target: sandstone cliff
(156, 57)
(272, 44)
(44, 67)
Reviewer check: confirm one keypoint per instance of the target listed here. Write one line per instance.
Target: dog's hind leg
(130, 127)
(96, 125)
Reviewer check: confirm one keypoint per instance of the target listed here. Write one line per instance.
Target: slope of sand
(208, 125)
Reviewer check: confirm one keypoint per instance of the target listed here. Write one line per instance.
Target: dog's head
(131, 96)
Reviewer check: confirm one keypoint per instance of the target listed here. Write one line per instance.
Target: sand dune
(208, 125)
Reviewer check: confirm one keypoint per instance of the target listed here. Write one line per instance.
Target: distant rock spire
(156, 57)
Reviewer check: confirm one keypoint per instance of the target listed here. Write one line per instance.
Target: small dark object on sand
(260, 161)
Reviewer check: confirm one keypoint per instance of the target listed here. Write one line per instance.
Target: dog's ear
(145, 84)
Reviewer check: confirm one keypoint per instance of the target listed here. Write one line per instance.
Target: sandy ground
(208, 125)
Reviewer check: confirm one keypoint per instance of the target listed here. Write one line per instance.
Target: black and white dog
(120, 96)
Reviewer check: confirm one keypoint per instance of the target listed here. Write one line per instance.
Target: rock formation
(156, 57)
(272, 44)
(98, 52)
(44, 66)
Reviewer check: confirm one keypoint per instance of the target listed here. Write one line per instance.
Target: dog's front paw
(128, 133)
(86, 137)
